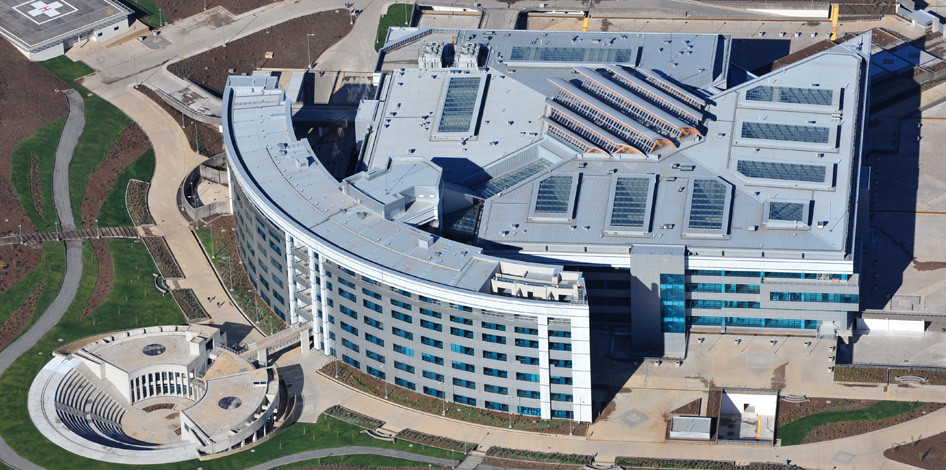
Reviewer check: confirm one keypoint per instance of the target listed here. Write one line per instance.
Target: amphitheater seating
(91, 412)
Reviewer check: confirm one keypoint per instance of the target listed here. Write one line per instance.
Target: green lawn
(398, 14)
(51, 269)
(133, 302)
(794, 433)
(43, 145)
(147, 12)
(355, 460)
(113, 212)
(66, 69)
(103, 124)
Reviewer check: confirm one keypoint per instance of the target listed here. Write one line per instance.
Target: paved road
(352, 450)
(75, 123)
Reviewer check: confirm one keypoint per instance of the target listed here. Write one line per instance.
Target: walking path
(174, 160)
(352, 450)
(75, 123)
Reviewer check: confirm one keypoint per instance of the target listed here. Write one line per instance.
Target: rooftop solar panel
(459, 104)
(785, 132)
(782, 171)
(630, 202)
(708, 204)
(553, 195)
(570, 54)
(789, 211)
(777, 94)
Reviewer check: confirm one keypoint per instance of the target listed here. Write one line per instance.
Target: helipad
(43, 29)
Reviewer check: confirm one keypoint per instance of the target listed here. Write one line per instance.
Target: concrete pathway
(174, 160)
(75, 122)
(352, 450)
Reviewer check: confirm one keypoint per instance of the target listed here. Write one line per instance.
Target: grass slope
(51, 268)
(43, 145)
(398, 14)
(113, 212)
(794, 432)
(103, 124)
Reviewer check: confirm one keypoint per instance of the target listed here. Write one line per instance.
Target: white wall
(886, 325)
(735, 403)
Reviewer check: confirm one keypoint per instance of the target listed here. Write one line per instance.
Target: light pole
(385, 382)
(160, 18)
(308, 50)
(98, 233)
(205, 5)
(509, 406)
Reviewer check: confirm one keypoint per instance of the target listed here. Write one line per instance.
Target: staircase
(472, 461)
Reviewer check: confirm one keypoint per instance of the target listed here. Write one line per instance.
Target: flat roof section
(35, 23)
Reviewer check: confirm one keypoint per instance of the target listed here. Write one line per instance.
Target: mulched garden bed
(167, 265)
(864, 374)
(520, 464)
(536, 456)
(690, 409)
(173, 10)
(418, 401)
(860, 374)
(208, 137)
(189, 303)
(844, 429)
(18, 320)
(36, 186)
(131, 144)
(287, 42)
(435, 441)
(353, 417)
(25, 87)
(136, 200)
(16, 261)
(928, 452)
(788, 412)
(105, 279)
(361, 467)
(648, 463)
(234, 277)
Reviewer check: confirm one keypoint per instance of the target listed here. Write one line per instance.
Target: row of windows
(722, 288)
(768, 274)
(755, 322)
(718, 304)
(813, 297)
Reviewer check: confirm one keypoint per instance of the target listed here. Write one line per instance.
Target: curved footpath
(352, 450)
(75, 123)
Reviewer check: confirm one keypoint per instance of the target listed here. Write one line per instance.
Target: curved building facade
(520, 189)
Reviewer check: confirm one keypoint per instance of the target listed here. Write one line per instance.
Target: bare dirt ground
(207, 140)
(28, 101)
(12, 326)
(131, 144)
(286, 42)
(174, 10)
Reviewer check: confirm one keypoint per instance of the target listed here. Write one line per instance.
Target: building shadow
(891, 168)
